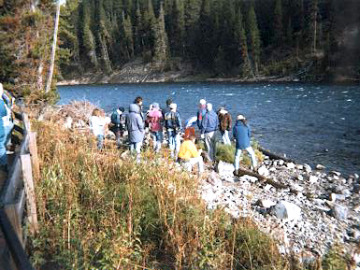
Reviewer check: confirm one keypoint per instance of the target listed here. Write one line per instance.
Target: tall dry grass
(98, 211)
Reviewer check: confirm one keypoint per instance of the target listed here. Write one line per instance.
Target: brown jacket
(224, 120)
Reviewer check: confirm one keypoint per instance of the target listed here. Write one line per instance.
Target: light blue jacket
(210, 122)
(135, 124)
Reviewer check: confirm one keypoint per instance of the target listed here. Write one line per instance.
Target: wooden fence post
(34, 155)
(30, 192)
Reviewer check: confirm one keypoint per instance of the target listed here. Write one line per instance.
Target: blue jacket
(242, 135)
(135, 124)
(173, 121)
(210, 122)
(3, 113)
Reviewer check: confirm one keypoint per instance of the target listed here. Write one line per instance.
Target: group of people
(156, 120)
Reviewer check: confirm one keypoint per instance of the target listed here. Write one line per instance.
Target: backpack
(115, 118)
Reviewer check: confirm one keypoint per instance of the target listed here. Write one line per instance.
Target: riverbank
(138, 72)
(307, 212)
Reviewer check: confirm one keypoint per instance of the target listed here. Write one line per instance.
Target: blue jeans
(136, 148)
(174, 143)
(157, 140)
(100, 141)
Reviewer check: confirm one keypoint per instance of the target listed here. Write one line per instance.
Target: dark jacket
(119, 121)
(135, 124)
(200, 117)
(173, 121)
(225, 121)
(210, 122)
(242, 135)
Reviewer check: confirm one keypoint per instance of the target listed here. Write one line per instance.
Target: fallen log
(274, 156)
(263, 179)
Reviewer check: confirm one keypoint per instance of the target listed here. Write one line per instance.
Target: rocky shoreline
(315, 211)
(306, 210)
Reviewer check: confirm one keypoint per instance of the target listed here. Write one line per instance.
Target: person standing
(154, 119)
(225, 123)
(209, 129)
(97, 126)
(190, 156)
(242, 135)
(201, 113)
(135, 127)
(173, 128)
(118, 119)
(139, 101)
(3, 116)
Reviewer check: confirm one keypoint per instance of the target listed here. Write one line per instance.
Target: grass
(98, 211)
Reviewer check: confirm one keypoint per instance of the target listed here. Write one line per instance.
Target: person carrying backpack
(173, 128)
(242, 134)
(154, 119)
(118, 120)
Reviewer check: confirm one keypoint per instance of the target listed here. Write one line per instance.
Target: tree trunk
(53, 49)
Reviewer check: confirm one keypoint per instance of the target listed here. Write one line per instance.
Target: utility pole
(53, 49)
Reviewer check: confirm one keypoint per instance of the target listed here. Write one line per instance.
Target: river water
(309, 123)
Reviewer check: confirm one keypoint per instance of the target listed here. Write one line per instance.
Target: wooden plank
(241, 172)
(20, 204)
(13, 183)
(26, 122)
(274, 156)
(25, 144)
(15, 246)
(13, 217)
(34, 155)
(30, 193)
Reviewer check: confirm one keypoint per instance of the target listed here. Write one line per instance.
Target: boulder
(313, 179)
(320, 167)
(263, 171)
(225, 169)
(265, 203)
(290, 165)
(287, 210)
(251, 179)
(307, 168)
(339, 212)
(300, 177)
(299, 166)
(356, 176)
(335, 173)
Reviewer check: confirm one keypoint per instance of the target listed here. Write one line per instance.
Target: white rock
(300, 177)
(307, 168)
(266, 203)
(263, 171)
(287, 211)
(356, 176)
(299, 166)
(313, 179)
(225, 169)
(280, 162)
(68, 122)
(297, 188)
(335, 173)
(290, 165)
(320, 167)
(248, 178)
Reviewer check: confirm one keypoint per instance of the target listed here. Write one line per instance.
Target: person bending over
(190, 156)
(242, 134)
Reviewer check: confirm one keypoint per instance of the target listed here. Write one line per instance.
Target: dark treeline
(226, 37)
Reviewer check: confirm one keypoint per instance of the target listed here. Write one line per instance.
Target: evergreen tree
(278, 23)
(191, 16)
(161, 49)
(254, 38)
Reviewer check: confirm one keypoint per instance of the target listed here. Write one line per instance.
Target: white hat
(202, 101)
(240, 117)
(209, 107)
(173, 106)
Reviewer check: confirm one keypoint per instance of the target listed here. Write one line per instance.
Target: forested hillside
(307, 39)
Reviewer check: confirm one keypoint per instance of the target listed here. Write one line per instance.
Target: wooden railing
(17, 200)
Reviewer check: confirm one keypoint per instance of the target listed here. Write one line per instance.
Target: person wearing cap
(3, 119)
(173, 128)
(225, 123)
(190, 156)
(209, 129)
(242, 135)
(154, 119)
(118, 121)
(201, 113)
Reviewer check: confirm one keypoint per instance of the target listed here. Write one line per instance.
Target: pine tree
(191, 16)
(176, 28)
(254, 38)
(161, 50)
(278, 23)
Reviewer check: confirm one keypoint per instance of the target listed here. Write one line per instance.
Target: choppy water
(310, 123)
